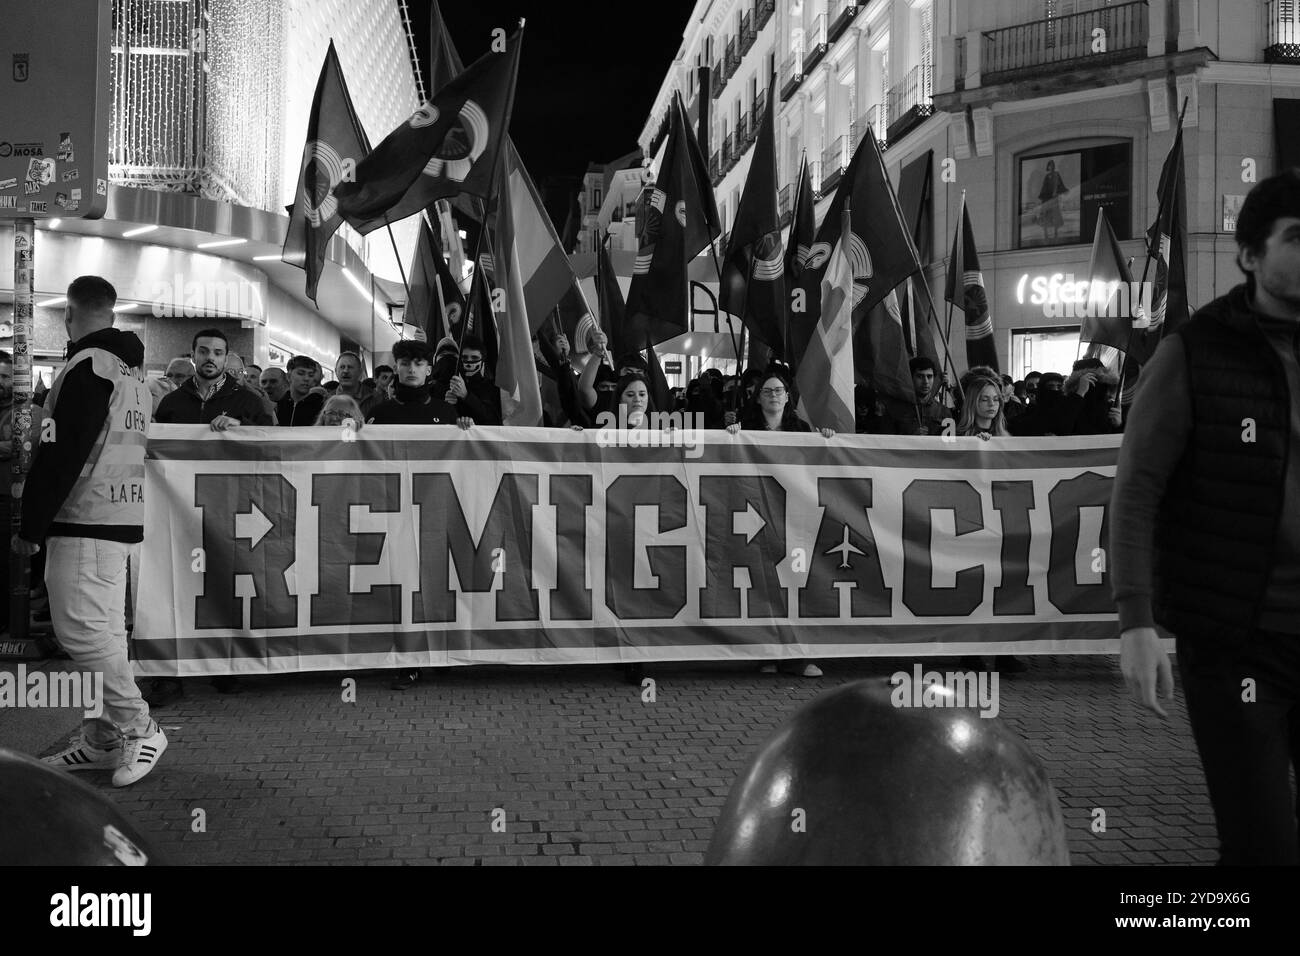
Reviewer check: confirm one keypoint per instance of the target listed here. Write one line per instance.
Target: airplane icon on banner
(844, 549)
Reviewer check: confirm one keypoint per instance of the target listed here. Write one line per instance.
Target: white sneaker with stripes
(81, 754)
(139, 754)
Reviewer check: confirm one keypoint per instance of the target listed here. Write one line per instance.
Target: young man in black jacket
(416, 400)
(84, 498)
(1205, 532)
(471, 389)
(212, 397)
(300, 406)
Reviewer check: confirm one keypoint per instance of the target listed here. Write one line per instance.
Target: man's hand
(464, 423)
(562, 346)
(826, 432)
(1146, 667)
(734, 428)
(1086, 381)
(222, 422)
(457, 387)
(1115, 416)
(24, 547)
(598, 345)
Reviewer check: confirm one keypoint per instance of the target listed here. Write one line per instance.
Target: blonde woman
(339, 409)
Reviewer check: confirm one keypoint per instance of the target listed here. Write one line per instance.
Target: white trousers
(86, 580)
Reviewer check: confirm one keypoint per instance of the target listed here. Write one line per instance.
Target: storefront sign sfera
(1060, 295)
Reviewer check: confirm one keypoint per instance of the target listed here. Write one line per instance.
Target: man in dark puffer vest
(1205, 531)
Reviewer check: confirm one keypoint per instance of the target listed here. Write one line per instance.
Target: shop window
(1062, 189)
(1043, 350)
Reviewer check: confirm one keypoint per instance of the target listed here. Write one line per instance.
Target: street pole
(24, 301)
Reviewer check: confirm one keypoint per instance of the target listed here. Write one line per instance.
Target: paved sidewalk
(286, 772)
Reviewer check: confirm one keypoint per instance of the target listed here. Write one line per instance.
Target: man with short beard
(1205, 532)
(212, 397)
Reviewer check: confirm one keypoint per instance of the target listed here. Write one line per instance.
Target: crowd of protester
(450, 383)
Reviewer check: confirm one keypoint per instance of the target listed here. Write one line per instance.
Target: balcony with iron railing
(716, 81)
(1057, 43)
(910, 102)
(728, 157)
(764, 12)
(743, 137)
(756, 112)
(715, 169)
(732, 60)
(1283, 18)
(835, 159)
(791, 74)
(815, 43)
(783, 199)
(747, 32)
(877, 121)
(840, 14)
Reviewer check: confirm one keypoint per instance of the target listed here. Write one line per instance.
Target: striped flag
(547, 275)
(965, 289)
(516, 371)
(825, 376)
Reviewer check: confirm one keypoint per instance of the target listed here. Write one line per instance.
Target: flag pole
(398, 256)
(731, 329)
(957, 237)
(442, 303)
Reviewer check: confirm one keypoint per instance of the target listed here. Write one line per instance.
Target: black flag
(336, 143)
(449, 146)
(753, 273)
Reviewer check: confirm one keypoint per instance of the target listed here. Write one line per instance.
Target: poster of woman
(1049, 199)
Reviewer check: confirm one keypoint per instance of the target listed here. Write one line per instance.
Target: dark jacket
(921, 418)
(79, 418)
(184, 406)
(416, 406)
(1053, 413)
(1203, 533)
(287, 412)
(483, 403)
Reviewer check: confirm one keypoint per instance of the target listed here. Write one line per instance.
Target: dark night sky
(589, 74)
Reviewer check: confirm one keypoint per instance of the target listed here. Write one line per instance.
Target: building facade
(979, 98)
(210, 106)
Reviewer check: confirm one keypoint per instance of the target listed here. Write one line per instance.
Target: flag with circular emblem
(449, 146)
(336, 143)
(753, 272)
(965, 289)
(678, 220)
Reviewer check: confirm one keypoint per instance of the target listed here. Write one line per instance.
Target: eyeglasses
(771, 392)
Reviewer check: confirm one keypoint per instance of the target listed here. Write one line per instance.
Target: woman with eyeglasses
(773, 410)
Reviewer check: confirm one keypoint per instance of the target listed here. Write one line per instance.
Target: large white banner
(271, 550)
